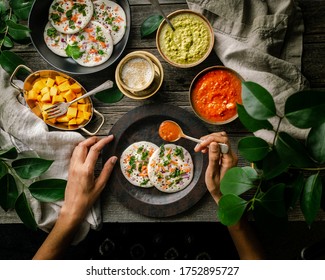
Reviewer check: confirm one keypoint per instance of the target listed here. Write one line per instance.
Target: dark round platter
(38, 18)
(141, 124)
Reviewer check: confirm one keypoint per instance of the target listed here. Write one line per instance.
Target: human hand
(218, 163)
(82, 188)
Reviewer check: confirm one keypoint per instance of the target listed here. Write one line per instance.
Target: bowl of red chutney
(214, 94)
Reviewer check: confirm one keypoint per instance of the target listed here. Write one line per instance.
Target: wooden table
(174, 91)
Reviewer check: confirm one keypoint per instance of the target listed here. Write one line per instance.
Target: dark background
(161, 241)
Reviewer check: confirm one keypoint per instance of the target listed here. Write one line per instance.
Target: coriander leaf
(73, 51)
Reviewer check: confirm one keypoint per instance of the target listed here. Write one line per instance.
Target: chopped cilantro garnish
(176, 173)
(55, 17)
(69, 14)
(55, 6)
(179, 152)
(73, 51)
(115, 28)
(81, 8)
(109, 20)
(144, 182)
(100, 38)
(132, 163)
(71, 24)
(144, 155)
(162, 151)
(51, 32)
(166, 162)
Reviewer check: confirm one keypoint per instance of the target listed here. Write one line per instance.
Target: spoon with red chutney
(171, 131)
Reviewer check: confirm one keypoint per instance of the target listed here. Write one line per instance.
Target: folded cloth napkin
(19, 127)
(262, 41)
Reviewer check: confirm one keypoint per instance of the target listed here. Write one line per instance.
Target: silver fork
(61, 108)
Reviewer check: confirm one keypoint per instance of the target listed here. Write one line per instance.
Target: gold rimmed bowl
(190, 43)
(214, 94)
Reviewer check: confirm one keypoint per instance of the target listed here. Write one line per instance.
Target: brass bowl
(180, 48)
(213, 103)
(32, 104)
(155, 85)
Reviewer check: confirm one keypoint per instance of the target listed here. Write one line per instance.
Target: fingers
(96, 148)
(81, 150)
(214, 156)
(219, 137)
(106, 172)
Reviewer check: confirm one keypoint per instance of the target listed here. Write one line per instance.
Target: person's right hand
(83, 189)
(218, 163)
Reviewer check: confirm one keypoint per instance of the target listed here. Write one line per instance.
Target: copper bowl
(217, 105)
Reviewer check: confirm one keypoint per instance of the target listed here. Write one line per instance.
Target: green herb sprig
(15, 175)
(12, 31)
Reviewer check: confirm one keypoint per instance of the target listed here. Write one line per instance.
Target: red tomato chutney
(169, 131)
(215, 94)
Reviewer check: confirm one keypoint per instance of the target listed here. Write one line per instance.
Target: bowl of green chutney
(190, 43)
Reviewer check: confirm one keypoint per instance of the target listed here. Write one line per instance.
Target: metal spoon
(223, 147)
(156, 4)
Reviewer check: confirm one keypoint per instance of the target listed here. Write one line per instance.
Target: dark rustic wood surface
(174, 91)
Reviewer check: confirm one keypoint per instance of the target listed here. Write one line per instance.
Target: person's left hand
(218, 163)
(82, 188)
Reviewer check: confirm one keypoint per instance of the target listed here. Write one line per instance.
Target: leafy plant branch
(15, 176)
(12, 31)
(278, 179)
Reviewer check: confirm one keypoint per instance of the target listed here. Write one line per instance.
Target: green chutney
(189, 42)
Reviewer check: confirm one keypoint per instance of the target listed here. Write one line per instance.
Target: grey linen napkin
(262, 41)
(19, 127)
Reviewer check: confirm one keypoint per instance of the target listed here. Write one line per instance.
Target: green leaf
(8, 192)
(305, 109)
(9, 154)
(73, 51)
(253, 148)
(7, 42)
(231, 209)
(17, 31)
(273, 200)
(250, 173)
(48, 190)
(257, 101)
(150, 25)
(9, 61)
(3, 169)
(111, 95)
(249, 122)
(238, 180)
(316, 143)
(272, 165)
(29, 168)
(24, 211)
(2, 7)
(292, 151)
(295, 190)
(311, 198)
(21, 8)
